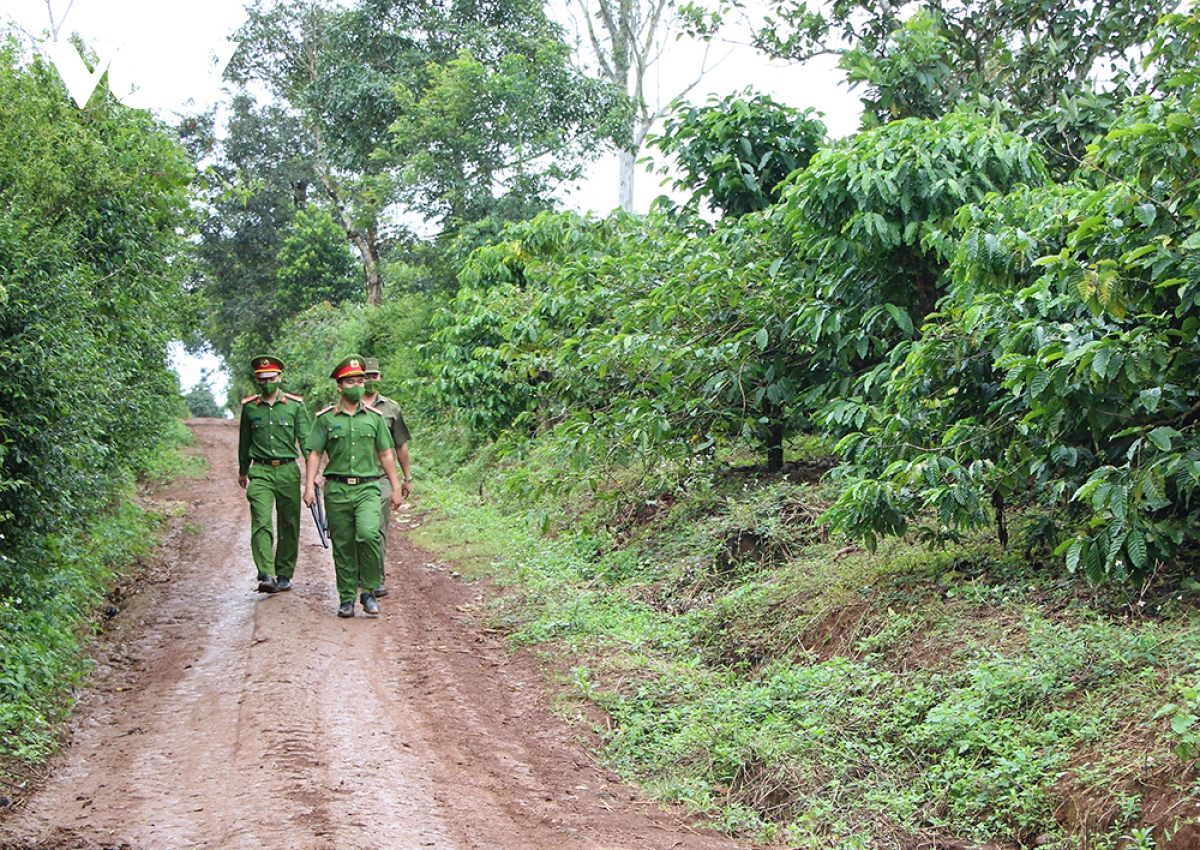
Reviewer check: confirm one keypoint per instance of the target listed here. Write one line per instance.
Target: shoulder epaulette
(326, 410)
(249, 399)
(293, 397)
(372, 409)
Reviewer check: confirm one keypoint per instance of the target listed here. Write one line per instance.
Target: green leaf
(1162, 437)
(1074, 551)
(1135, 547)
(1181, 723)
(901, 318)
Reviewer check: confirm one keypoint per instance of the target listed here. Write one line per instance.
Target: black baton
(318, 515)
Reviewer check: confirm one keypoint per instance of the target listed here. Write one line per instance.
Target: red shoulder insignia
(372, 409)
(249, 399)
(293, 397)
(326, 410)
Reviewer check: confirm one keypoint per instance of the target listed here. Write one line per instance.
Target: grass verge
(795, 689)
(45, 625)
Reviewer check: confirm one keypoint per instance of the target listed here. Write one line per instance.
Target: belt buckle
(351, 480)
(276, 463)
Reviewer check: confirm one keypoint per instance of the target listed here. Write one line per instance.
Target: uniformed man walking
(400, 436)
(274, 430)
(357, 441)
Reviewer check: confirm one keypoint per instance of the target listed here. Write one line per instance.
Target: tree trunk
(365, 241)
(371, 265)
(926, 296)
(625, 166)
(775, 447)
(1001, 522)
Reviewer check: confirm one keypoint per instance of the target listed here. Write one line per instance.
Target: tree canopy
(1056, 71)
(449, 112)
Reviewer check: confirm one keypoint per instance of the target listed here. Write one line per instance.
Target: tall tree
(495, 142)
(289, 47)
(355, 75)
(257, 177)
(629, 38)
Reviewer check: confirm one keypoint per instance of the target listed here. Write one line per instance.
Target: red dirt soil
(219, 717)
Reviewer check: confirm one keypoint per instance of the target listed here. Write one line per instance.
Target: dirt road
(223, 718)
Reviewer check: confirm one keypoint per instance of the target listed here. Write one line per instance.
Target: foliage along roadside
(993, 343)
(977, 334)
(43, 641)
(92, 204)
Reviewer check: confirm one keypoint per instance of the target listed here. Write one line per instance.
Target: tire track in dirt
(223, 718)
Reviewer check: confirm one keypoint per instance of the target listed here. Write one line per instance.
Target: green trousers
(385, 516)
(274, 488)
(352, 511)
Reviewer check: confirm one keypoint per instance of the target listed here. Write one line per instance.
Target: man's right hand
(242, 479)
(309, 496)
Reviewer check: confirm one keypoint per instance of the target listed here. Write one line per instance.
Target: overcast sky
(174, 37)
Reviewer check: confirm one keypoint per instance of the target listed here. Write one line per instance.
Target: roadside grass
(172, 460)
(794, 688)
(46, 623)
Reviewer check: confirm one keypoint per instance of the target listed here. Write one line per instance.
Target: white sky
(186, 29)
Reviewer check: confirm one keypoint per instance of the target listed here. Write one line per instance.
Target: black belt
(345, 479)
(275, 462)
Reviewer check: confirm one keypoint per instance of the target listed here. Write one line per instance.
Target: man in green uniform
(400, 436)
(274, 428)
(358, 442)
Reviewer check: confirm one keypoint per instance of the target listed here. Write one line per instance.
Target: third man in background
(395, 421)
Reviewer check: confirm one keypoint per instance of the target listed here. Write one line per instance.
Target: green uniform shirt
(390, 411)
(353, 443)
(272, 431)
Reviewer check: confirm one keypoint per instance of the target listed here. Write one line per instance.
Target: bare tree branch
(55, 27)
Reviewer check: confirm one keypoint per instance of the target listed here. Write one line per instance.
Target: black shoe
(370, 606)
(381, 592)
(346, 609)
(267, 584)
(283, 583)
